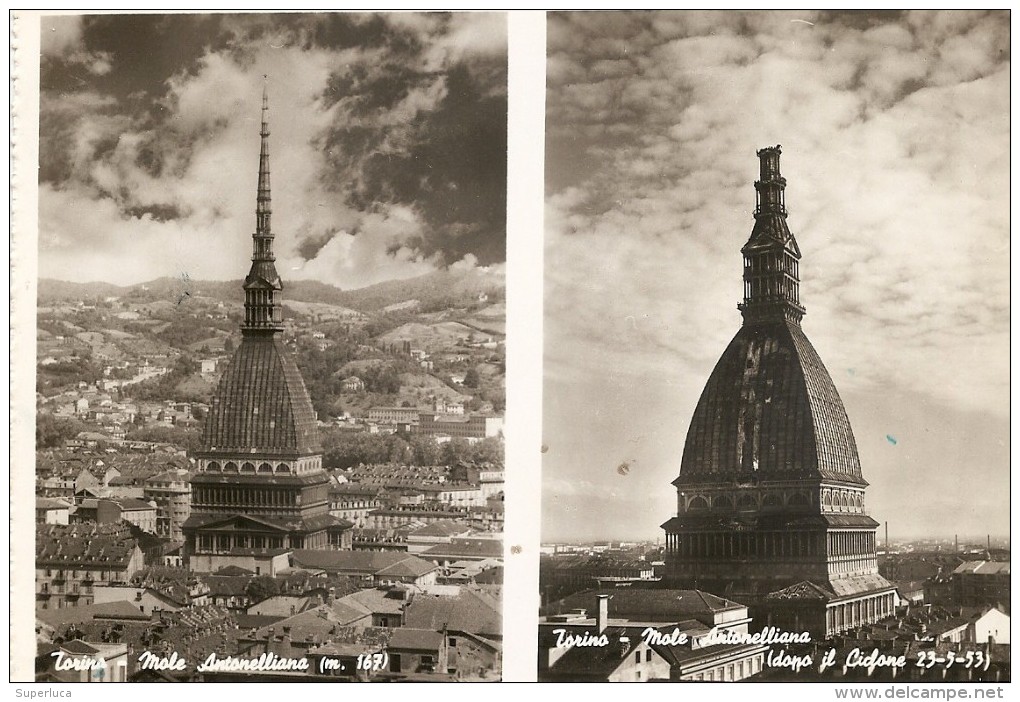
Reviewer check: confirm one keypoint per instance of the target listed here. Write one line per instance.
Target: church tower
(770, 496)
(260, 489)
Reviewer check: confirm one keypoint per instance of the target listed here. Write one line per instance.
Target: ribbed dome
(261, 404)
(770, 412)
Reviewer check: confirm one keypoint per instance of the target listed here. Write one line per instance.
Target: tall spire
(263, 208)
(262, 310)
(771, 254)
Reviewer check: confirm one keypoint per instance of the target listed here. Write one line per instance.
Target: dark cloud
(449, 163)
(133, 106)
(310, 245)
(160, 213)
(143, 50)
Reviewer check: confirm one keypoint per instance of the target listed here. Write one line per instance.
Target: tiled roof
(832, 589)
(596, 562)
(649, 605)
(193, 633)
(256, 621)
(471, 611)
(983, 568)
(683, 655)
(132, 504)
(50, 503)
(770, 410)
(479, 548)
(359, 561)
(491, 576)
(595, 662)
(83, 546)
(119, 610)
(79, 646)
(377, 600)
(347, 640)
(859, 584)
(283, 605)
(409, 567)
(410, 639)
(227, 585)
(321, 623)
(122, 480)
(176, 475)
(176, 584)
(938, 628)
(354, 489)
(446, 527)
(261, 404)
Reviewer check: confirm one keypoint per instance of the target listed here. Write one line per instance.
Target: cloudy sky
(895, 136)
(388, 144)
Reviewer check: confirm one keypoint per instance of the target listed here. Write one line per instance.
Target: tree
(261, 587)
(51, 431)
(424, 450)
(471, 378)
(455, 451)
(488, 450)
(178, 436)
(350, 450)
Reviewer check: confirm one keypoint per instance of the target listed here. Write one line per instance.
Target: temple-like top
(262, 310)
(771, 254)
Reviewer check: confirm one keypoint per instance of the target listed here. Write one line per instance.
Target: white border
(24, 274)
(525, 198)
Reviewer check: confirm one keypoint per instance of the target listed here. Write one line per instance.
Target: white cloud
(895, 146)
(195, 163)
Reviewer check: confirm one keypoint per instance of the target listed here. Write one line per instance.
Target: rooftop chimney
(602, 614)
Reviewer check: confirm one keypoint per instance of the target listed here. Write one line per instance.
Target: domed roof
(261, 405)
(770, 411)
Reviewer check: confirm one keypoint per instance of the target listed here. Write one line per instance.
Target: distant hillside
(433, 290)
(439, 289)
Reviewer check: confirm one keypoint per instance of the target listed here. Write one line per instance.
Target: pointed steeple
(262, 310)
(771, 254)
(263, 208)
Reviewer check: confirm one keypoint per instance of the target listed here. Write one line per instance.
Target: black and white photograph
(270, 340)
(776, 330)
(493, 345)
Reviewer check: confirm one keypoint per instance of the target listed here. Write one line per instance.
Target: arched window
(213, 467)
(282, 468)
(746, 502)
(247, 467)
(265, 468)
(723, 502)
(798, 499)
(827, 499)
(772, 500)
(697, 503)
(231, 467)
